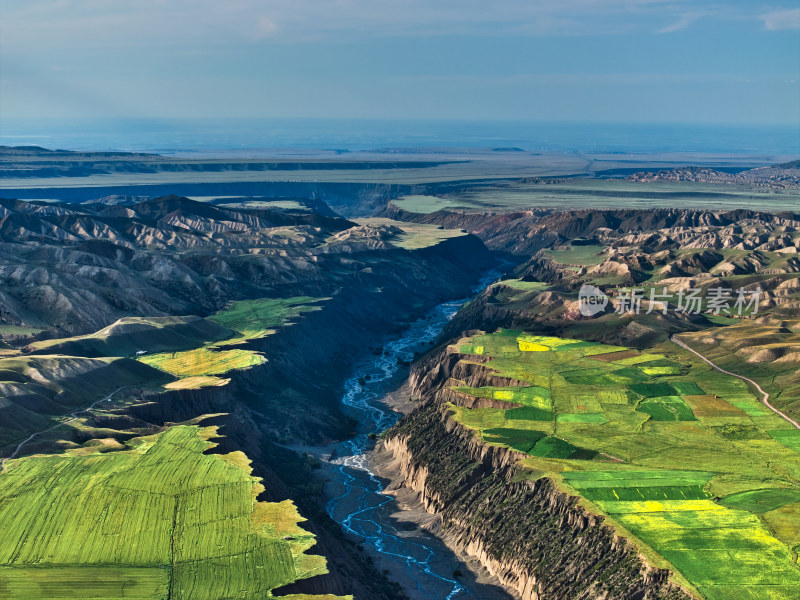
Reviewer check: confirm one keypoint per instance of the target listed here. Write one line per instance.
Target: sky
(640, 61)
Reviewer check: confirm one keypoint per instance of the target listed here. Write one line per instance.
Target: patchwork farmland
(680, 458)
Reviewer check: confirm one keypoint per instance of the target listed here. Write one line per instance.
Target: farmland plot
(681, 458)
(174, 522)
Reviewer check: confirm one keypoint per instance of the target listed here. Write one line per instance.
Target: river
(360, 506)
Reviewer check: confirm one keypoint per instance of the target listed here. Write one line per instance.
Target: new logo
(591, 300)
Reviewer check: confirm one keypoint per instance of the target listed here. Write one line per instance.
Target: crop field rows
(684, 459)
(158, 519)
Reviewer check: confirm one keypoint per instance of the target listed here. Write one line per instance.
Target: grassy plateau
(601, 193)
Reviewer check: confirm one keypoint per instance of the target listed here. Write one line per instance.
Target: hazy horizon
(227, 136)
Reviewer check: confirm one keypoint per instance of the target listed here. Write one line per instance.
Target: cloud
(684, 22)
(780, 20)
(99, 22)
(265, 27)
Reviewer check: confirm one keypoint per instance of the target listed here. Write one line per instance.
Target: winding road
(70, 418)
(764, 395)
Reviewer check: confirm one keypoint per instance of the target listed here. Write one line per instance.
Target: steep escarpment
(535, 538)
(287, 476)
(556, 312)
(660, 255)
(347, 199)
(68, 269)
(71, 270)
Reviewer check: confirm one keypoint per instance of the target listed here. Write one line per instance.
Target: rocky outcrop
(533, 537)
(786, 175)
(523, 233)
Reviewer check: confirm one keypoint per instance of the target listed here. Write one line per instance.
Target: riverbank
(413, 515)
(366, 496)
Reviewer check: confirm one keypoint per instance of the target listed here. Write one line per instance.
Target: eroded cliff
(532, 536)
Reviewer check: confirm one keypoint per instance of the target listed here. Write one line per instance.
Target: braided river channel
(419, 561)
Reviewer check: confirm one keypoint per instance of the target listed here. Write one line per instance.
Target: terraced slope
(683, 459)
(159, 519)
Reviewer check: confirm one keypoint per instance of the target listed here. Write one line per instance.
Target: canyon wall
(534, 537)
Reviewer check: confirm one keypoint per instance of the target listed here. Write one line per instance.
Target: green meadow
(682, 459)
(38, 390)
(157, 519)
(414, 235)
(130, 335)
(203, 361)
(254, 319)
(249, 320)
(578, 255)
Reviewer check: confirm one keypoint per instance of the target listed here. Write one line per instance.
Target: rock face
(663, 250)
(71, 270)
(285, 473)
(535, 538)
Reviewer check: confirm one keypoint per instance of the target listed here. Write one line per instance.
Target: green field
(427, 204)
(196, 382)
(686, 463)
(524, 286)
(64, 374)
(254, 319)
(415, 235)
(38, 390)
(16, 330)
(248, 320)
(203, 361)
(578, 255)
(159, 519)
(130, 335)
(736, 346)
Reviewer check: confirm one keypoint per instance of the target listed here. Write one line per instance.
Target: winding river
(361, 507)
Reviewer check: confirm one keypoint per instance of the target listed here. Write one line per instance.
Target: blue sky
(572, 60)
